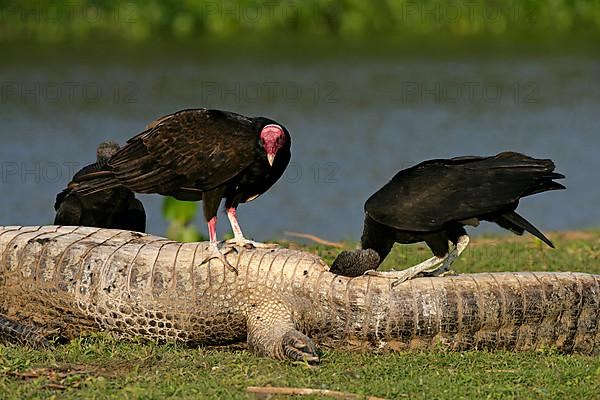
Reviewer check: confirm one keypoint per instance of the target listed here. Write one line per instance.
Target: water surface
(355, 121)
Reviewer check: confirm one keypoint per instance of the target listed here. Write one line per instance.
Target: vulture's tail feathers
(517, 224)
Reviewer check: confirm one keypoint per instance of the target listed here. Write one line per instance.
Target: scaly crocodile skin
(73, 280)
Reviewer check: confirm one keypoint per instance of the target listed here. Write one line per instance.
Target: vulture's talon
(450, 272)
(397, 276)
(249, 244)
(215, 252)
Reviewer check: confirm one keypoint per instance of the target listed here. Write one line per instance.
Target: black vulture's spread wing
(199, 147)
(435, 192)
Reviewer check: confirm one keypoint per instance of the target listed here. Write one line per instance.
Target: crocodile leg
(298, 347)
(271, 333)
(17, 332)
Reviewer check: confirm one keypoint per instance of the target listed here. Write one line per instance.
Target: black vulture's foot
(439, 272)
(298, 347)
(398, 277)
(409, 273)
(213, 252)
(355, 262)
(450, 272)
(241, 241)
(444, 269)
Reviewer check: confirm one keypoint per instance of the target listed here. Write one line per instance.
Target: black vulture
(432, 202)
(201, 154)
(115, 208)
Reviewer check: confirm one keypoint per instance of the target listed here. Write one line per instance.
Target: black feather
(102, 206)
(190, 153)
(516, 220)
(432, 201)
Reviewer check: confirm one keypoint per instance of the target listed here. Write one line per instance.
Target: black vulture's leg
(439, 245)
(461, 244)
(238, 236)
(409, 273)
(429, 267)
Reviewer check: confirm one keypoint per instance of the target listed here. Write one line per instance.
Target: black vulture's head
(105, 151)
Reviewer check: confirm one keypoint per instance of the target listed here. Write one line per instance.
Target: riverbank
(102, 367)
(487, 253)
(53, 21)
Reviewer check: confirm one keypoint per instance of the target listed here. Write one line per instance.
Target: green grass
(134, 20)
(100, 367)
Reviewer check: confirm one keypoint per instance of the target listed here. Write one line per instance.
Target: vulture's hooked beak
(271, 158)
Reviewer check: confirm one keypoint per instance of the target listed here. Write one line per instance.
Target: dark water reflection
(354, 123)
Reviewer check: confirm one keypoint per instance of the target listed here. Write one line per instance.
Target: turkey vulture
(200, 154)
(434, 200)
(115, 208)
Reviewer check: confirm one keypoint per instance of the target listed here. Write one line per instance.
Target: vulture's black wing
(133, 218)
(97, 167)
(433, 193)
(199, 147)
(68, 208)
